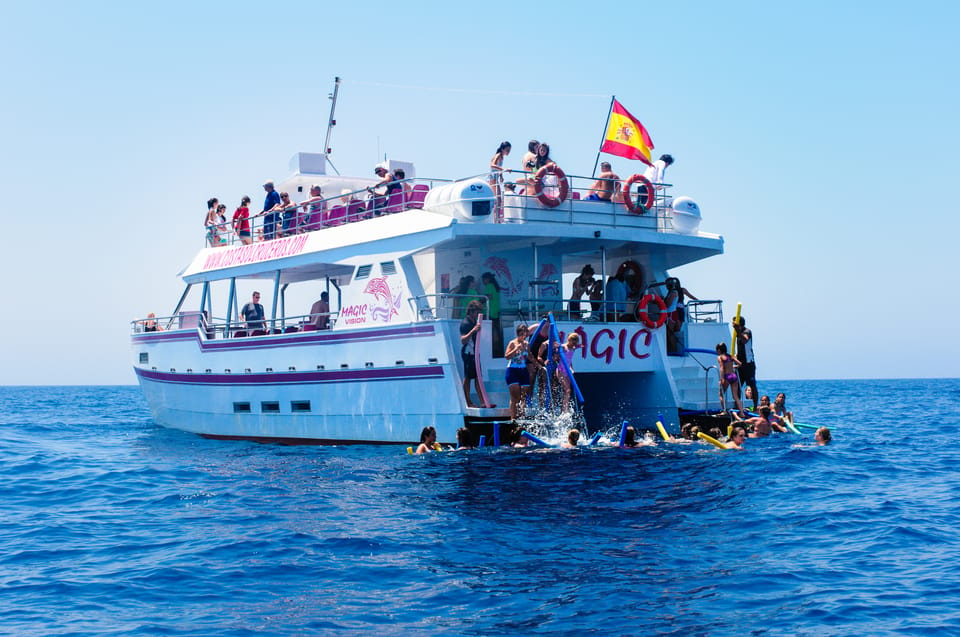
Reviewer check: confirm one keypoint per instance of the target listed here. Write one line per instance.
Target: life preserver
(628, 198)
(551, 202)
(642, 311)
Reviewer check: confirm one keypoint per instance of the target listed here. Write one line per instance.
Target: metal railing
(517, 206)
(218, 328)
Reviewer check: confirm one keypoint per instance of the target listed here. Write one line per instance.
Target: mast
(331, 122)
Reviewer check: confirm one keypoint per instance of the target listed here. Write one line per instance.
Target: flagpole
(603, 137)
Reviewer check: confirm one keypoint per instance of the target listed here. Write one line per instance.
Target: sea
(112, 525)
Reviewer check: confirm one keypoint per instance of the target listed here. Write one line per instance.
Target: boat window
(241, 408)
(144, 358)
(299, 405)
(388, 267)
(270, 407)
(363, 271)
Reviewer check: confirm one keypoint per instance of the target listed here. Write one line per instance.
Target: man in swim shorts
(606, 185)
(748, 364)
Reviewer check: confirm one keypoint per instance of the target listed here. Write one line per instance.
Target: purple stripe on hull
(286, 340)
(305, 441)
(294, 378)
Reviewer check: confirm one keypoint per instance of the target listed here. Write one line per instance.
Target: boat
(385, 360)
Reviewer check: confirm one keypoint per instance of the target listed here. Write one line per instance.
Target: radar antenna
(331, 123)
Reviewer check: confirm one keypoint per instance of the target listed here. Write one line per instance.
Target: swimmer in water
(428, 438)
(572, 439)
(822, 436)
(737, 437)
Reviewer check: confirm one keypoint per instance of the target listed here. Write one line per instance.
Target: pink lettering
(646, 343)
(607, 352)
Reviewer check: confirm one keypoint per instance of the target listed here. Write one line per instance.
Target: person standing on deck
(469, 327)
(253, 313)
(748, 364)
(491, 289)
(270, 217)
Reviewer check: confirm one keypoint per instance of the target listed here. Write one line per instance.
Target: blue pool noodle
(534, 439)
(483, 441)
(623, 433)
(563, 362)
(496, 434)
(595, 439)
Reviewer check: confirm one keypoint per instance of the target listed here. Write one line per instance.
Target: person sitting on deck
(606, 185)
(382, 190)
(253, 314)
(320, 312)
(428, 440)
(150, 325)
(313, 209)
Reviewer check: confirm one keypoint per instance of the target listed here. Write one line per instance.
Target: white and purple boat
(388, 361)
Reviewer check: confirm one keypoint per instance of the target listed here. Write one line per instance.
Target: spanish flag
(626, 136)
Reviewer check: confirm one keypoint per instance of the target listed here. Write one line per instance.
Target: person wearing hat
(270, 217)
(583, 284)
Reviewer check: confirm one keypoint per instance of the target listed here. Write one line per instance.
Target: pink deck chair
(416, 196)
(336, 215)
(394, 203)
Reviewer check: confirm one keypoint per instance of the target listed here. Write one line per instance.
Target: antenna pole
(331, 122)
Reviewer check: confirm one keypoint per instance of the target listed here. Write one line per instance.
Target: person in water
(517, 376)
(728, 377)
(428, 438)
(464, 439)
(763, 424)
(572, 439)
(737, 436)
(780, 407)
(822, 436)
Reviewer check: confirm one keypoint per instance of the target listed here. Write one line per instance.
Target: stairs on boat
(696, 388)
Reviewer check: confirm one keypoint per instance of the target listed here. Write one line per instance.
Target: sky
(818, 138)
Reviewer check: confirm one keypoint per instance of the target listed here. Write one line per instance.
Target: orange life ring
(628, 199)
(642, 309)
(551, 202)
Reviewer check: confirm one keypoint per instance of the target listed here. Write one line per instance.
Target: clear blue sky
(819, 138)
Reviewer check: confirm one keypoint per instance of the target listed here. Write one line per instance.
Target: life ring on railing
(642, 311)
(546, 200)
(628, 199)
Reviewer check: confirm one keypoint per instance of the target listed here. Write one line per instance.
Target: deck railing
(520, 206)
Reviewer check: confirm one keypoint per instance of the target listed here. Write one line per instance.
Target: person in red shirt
(241, 221)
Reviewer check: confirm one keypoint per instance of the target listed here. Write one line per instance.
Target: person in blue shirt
(270, 217)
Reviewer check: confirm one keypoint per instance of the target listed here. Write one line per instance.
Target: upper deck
(322, 237)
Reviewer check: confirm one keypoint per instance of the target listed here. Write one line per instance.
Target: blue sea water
(112, 525)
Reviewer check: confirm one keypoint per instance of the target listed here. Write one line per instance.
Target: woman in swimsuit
(780, 407)
(728, 377)
(428, 438)
(518, 378)
(568, 350)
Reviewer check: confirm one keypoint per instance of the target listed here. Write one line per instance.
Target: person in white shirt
(655, 173)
